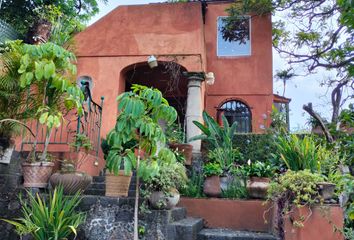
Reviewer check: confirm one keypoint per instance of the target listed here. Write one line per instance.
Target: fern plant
(15, 102)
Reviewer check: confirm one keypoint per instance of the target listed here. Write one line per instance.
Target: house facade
(197, 68)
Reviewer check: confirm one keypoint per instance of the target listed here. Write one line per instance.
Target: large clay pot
(326, 190)
(257, 187)
(185, 149)
(71, 182)
(212, 186)
(159, 200)
(36, 174)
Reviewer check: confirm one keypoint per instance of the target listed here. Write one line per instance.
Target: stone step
(102, 192)
(227, 234)
(185, 229)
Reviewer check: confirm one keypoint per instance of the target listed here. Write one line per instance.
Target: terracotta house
(197, 68)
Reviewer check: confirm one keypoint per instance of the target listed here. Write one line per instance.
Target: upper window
(236, 111)
(233, 38)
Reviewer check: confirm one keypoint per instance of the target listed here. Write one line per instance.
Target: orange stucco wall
(246, 78)
(129, 34)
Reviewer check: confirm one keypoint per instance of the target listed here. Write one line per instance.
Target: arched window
(236, 111)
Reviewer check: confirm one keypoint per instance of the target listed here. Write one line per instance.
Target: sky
(301, 90)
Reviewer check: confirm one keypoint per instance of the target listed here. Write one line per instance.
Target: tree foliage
(315, 34)
(21, 14)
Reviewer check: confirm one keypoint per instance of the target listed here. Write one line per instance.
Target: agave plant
(54, 219)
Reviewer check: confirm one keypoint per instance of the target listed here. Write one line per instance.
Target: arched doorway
(167, 77)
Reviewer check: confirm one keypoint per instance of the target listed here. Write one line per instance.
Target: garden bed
(227, 213)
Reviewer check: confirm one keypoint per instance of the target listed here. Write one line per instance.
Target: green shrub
(302, 153)
(54, 219)
(212, 169)
(235, 190)
(257, 169)
(194, 186)
(256, 147)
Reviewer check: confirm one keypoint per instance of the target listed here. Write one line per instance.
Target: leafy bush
(194, 186)
(212, 169)
(174, 133)
(54, 218)
(169, 176)
(219, 155)
(299, 188)
(294, 189)
(256, 147)
(235, 190)
(299, 154)
(257, 169)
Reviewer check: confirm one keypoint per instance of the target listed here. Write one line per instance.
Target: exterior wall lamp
(152, 61)
(210, 78)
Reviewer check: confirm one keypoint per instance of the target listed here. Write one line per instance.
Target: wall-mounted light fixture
(210, 78)
(152, 61)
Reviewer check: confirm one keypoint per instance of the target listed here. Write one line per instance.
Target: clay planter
(185, 149)
(159, 200)
(326, 190)
(257, 187)
(71, 182)
(117, 186)
(36, 174)
(212, 186)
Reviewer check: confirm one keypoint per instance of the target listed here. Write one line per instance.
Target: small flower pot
(326, 190)
(257, 187)
(159, 200)
(36, 175)
(71, 182)
(185, 149)
(212, 187)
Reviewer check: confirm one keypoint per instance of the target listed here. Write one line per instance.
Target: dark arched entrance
(167, 77)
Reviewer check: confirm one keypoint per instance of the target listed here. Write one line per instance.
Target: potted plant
(291, 192)
(259, 174)
(176, 141)
(47, 71)
(162, 188)
(140, 111)
(52, 217)
(69, 177)
(212, 172)
(228, 158)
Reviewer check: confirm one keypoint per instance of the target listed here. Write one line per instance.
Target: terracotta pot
(71, 182)
(212, 187)
(159, 200)
(185, 149)
(36, 174)
(326, 190)
(117, 186)
(257, 187)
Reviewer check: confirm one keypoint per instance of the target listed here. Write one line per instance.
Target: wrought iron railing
(88, 124)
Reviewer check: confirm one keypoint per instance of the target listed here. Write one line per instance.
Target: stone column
(194, 108)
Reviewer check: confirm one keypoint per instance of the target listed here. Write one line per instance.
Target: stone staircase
(174, 224)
